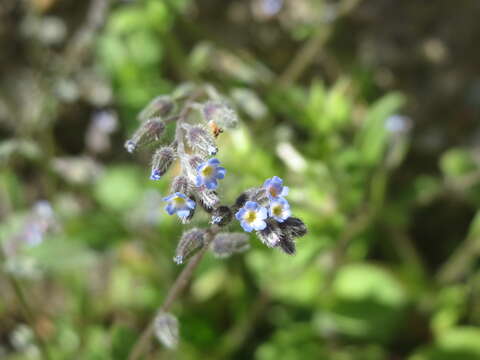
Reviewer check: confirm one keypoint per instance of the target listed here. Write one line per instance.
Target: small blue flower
(180, 204)
(155, 175)
(279, 209)
(252, 216)
(274, 188)
(209, 172)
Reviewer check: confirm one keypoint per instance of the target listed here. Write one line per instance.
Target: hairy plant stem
(176, 289)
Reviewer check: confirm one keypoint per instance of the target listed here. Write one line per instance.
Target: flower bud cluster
(263, 210)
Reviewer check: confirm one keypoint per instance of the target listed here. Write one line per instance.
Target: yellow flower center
(179, 201)
(250, 216)
(277, 210)
(207, 171)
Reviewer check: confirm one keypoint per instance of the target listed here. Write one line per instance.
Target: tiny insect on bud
(160, 106)
(220, 114)
(208, 199)
(272, 234)
(222, 216)
(227, 244)
(166, 329)
(151, 130)
(161, 161)
(190, 242)
(200, 140)
(293, 227)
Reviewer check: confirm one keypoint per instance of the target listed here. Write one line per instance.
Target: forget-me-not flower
(209, 172)
(274, 188)
(155, 175)
(252, 216)
(279, 209)
(180, 204)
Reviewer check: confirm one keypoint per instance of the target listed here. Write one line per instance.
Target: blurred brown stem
(82, 40)
(177, 288)
(29, 315)
(312, 47)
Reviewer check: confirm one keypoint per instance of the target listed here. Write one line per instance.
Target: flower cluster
(266, 211)
(263, 210)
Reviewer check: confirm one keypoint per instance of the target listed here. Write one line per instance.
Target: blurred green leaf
(119, 188)
(372, 137)
(368, 302)
(457, 162)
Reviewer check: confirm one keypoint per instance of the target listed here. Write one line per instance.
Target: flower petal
(262, 213)
(169, 197)
(183, 213)
(191, 204)
(170, 209)
(211, 183)
(221, 172)
(213, 161)
(240, 213)
(246, 226)
(259, 224)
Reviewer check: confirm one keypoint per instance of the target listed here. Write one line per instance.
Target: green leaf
(119, 188)
(372, 138)
(457, 162)
(368, 302)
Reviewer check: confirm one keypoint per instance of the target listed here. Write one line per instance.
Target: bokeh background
(369, 110)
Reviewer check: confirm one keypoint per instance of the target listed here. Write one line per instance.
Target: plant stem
(29, 315)
(312, 47)
(177, 288)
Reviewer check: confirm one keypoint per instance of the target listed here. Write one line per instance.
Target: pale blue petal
(170, 209)
(246, 226)
(211, 183)
(213, 161)
(260, 225)
(183, 213)
(262, 213)
(221, 173)
(251, 205)
(240, 213)
(169, 197)
(191, 204)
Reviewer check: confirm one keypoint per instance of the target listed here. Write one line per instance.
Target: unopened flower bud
(227, 244)
(161, 161)
(221, 216)
(200, 140)
(160, 106)
(182, 185)
(287, 245)
(151, 130)
(293, 227)
(190, 242)
(241, 200)
(271, 235)
(221, 114)
(166, 329)
(208, 199)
